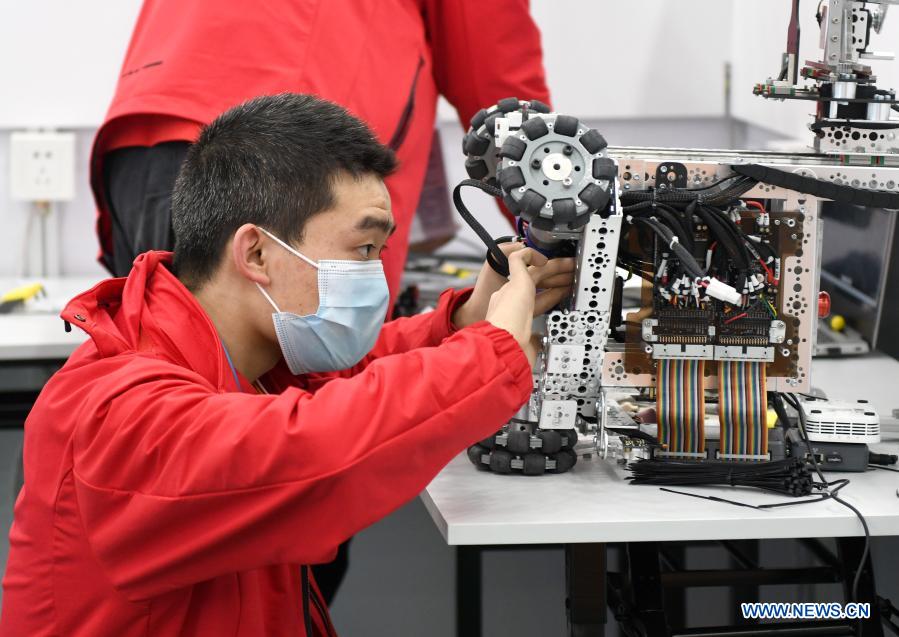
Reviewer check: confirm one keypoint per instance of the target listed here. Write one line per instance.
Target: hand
(511, 308)
(553, 277)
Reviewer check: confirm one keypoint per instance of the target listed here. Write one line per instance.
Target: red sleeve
(485, 51)
(178, 483)
(397, 336)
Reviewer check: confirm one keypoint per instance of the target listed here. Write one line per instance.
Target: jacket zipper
(399, 135)
(307, 618)
(326, 619)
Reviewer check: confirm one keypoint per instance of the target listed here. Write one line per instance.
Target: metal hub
(557, 167)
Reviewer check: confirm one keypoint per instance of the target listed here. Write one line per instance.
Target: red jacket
(385, 60)
(160, 500)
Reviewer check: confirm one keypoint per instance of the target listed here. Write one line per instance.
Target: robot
(726, 246)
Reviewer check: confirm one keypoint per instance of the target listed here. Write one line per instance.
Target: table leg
(850, 551)
(646, 581)
(585, 576)
(468, 591)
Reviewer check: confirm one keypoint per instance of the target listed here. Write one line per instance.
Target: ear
(249, 253)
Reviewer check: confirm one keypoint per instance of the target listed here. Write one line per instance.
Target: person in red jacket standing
(238, 411)
(385, 60)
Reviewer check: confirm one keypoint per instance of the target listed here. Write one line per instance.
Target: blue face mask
(352, 302)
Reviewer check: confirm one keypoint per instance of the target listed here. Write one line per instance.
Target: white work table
(594, 503)
(37, 333)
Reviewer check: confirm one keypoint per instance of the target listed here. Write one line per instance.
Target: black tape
(819, 187)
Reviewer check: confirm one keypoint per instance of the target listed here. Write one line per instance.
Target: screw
(535, 163)
(567, 150)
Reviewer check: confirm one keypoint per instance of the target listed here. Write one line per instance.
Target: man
(385, 60)
(231, 419)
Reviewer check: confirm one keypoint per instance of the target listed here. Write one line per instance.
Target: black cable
(500, 262)
(672, 243)
(789, 476)
(794, 402)
(666, 214)
(725, 235)
(861, 562)
(877, 466)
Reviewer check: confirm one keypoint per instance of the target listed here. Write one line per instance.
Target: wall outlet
(42, 166)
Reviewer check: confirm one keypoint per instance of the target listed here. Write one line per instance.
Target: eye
(367, 250)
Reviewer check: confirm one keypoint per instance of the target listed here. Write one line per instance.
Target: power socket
(42, 166)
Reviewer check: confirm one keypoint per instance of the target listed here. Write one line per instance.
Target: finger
(558, 281)
(552, 268)
(548, 299)
(512, 246)
(529, 256)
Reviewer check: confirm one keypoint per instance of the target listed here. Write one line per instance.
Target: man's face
(354, 229)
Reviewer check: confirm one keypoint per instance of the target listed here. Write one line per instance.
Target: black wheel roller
(593, 141)
(564, 210)
(511, 178)
(569, 438)
(532, 201)
(519, 442)
(475, 453)
(565, 459)
(489, 442)
(535, 128)
(512, 205)
(595, 197)
(513, 148)
(579, 222)
(538, 106)
(552, 441)
(508, 104)
(566, 125)
(476, 168)
(479, 118)
(604, 168)
(474, 144)
(500, 461)
(542, 223)
(534, 464)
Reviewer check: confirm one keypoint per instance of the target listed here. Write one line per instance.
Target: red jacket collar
(151, 312)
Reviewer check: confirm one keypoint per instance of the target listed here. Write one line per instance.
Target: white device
(841, 421)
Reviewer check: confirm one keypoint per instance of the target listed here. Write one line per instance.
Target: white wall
(606, 61)
(654, 58)
(59, 60)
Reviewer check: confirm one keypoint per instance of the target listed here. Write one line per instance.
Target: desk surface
(39, 333)
(593, 502)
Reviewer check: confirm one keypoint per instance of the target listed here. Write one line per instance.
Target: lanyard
(231, 365)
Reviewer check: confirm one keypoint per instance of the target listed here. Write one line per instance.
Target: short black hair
(271, 161)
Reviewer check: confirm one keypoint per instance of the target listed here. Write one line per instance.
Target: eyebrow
(384, 224)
